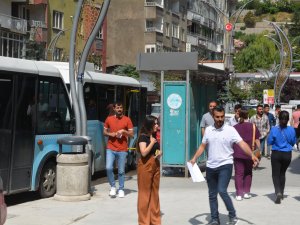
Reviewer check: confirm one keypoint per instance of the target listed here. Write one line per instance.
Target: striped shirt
(262, 124)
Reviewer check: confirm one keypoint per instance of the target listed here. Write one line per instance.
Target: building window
(57, 53)
(167, 29)
(58, 18)
(182, 35)
(100, 34)
(175, 31)
(150, 48)
(11, 44)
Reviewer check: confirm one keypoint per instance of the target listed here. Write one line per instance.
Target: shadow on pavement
(20, 198)
(259, 168)
(233, 194)
(295, 166)
(204, 218)
(272, 196)
(297, 198)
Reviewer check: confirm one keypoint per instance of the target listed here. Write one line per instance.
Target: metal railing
(15, 24)
(153, 3)
(154, 29)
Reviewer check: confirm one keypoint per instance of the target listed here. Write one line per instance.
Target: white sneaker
(113, 192)
(247, 196)
(239, 198)
(121, 194)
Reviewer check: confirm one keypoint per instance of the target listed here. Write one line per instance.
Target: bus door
(17, 144)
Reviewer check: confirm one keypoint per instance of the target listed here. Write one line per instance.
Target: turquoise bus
(36, 110)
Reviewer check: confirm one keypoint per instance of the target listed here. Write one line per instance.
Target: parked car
(3, 209)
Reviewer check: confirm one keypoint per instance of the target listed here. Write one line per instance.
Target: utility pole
(229, 20)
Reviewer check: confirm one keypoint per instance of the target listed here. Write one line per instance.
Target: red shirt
(115, 124)
(296, 118)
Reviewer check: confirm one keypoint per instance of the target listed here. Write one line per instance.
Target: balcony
(36, 2)
(14, 24)
(153, 37)
(154, 29)
(193, 39)
(152, 3)
(37, 23)
(212, 46)
(202, 42)
(153, 13)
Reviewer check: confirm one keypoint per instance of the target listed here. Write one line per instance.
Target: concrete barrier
(72, 177)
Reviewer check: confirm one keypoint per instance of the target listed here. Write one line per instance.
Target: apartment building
(13, 29)
(41, 29)
(205, 30)
(135, 26)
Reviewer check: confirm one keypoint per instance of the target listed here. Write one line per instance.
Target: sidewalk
(182, 202)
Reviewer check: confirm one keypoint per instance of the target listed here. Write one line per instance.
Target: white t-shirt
(219, 143)
(232, 121)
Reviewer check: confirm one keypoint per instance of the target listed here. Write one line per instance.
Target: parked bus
(35, 110)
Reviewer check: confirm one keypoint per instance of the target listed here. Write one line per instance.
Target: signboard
(268, 96)
(228, 26)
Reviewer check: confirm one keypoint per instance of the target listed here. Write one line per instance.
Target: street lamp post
(228, 36)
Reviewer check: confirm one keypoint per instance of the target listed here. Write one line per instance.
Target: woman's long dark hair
(283, 118)
(146, 129)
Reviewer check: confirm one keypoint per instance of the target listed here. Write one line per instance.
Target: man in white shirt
(219, 138)
(235, 119)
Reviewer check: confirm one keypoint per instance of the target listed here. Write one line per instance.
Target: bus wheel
(47, 185)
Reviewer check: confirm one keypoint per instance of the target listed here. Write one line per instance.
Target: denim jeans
(111, 156)
(217, 181)
(262, 145)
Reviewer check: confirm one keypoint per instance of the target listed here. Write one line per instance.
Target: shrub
(273, 10)
(273, 19)
(249, 20)
(243, 28)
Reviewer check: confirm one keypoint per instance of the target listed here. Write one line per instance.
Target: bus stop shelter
(182, 102)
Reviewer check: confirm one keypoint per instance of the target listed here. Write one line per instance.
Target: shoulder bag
(255, 151)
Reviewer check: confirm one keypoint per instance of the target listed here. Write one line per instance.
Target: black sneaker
(278, 198)
(233, 221)
(214, 222)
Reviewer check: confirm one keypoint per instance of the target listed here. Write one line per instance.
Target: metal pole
(187, 120)
(82, 64)
(162, 78)
(72, 69)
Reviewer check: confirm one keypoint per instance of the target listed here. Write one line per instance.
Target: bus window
(132, 103)
(53, 111)
(6, 87)
(102, 96)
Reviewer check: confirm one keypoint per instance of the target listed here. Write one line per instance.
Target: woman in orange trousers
(148, 206)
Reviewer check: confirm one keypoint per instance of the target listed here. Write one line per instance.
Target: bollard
(72, 172)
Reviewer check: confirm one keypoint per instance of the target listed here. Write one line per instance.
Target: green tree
(250, 20)
(259, 53)
(167, 77)
(127, 70)
(290, 90)
(257, 88)
(294, 28)
(232, 92)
